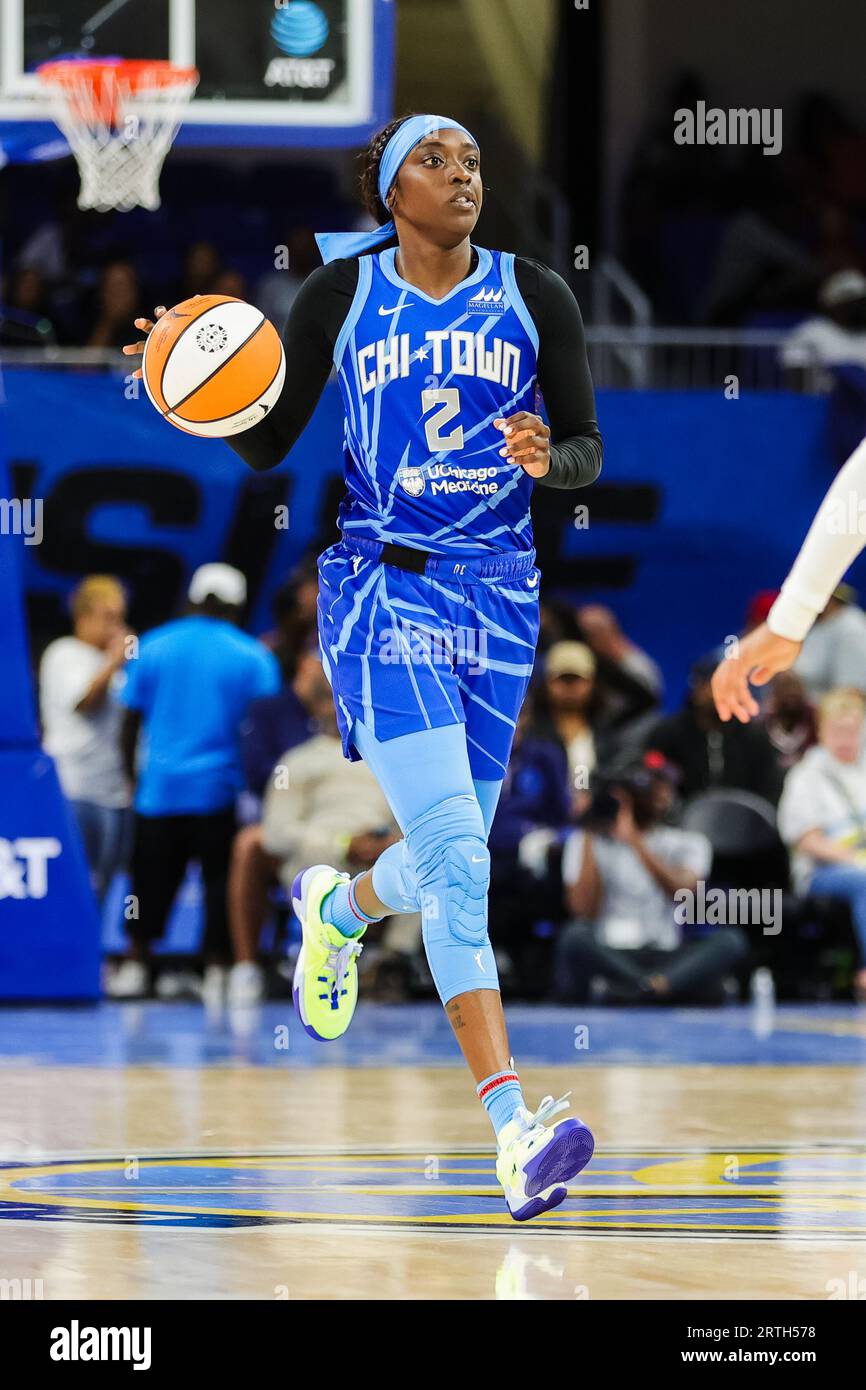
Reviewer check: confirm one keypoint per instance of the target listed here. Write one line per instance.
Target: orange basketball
(213, 365)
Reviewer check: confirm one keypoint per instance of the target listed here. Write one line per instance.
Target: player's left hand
(527, 442)
(756, 659)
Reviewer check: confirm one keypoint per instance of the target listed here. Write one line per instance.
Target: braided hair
(371, 158)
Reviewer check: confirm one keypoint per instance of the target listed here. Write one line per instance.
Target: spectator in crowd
(117, 305)
(557, 623)
(631, 680)
(81, 721)
(830, 150)
(822, 813)
(273, 725)
(318, 808)
(525, 848)
(837, 335)
(569, 706)
(277, 722)
(665, 180)
(202, 266)
(606, 638)
(231, 282)
(294, 612)
(709, 753)
(25, 320)
(622, 869)
(788, 718)
(188, 692)
(834, 652)
(275, 291)
(760, 263)
(662, 787)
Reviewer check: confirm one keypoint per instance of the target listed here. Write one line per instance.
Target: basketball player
(834, 541)
(428, 606)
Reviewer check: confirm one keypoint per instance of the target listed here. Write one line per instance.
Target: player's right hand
(136, 349)
(755, 658)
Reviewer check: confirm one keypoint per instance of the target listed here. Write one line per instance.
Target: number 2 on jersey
(448, 401)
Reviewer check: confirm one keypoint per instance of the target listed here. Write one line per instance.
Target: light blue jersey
(422, 381)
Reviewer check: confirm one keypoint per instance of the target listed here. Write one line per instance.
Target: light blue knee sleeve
(452, 867)
(394, 880)
(442, 866)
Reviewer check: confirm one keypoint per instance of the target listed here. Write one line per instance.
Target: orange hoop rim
(136, 72)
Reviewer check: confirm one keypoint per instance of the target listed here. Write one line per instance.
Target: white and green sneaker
(536, 1162)
(325, 986)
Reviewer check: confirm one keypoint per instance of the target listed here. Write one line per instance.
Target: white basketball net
(120, 120)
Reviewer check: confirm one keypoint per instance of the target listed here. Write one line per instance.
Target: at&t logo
(24, 865)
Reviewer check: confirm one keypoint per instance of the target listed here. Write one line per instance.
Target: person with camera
(624, 872)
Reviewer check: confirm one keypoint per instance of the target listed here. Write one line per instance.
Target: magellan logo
(487, 302)
(24, 866)
(411, 480)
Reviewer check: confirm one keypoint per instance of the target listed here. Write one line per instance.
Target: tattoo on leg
(453, 1012)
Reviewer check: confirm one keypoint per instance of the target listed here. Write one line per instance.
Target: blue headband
(404, 139)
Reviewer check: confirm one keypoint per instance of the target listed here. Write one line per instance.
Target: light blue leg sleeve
(442, 865)
(488, 799)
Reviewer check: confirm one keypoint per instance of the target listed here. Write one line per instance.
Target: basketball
(213, 366)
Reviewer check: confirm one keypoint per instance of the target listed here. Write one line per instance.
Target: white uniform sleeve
(831, 546)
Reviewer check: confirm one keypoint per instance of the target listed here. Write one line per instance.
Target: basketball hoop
(120, 118)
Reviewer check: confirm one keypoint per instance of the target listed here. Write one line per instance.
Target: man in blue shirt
(186, 695)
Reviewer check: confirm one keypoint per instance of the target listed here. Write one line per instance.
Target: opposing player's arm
(564, 377)
(314, 323)
(830, 547)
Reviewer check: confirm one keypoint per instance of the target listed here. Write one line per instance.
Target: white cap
(224, 582)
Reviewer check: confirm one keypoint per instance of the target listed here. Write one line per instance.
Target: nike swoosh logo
(532, 581)
(396, 309)
(478, 859)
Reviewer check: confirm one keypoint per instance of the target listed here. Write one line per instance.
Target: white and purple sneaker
(536, 1162)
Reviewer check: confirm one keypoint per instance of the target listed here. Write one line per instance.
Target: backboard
(273, 72)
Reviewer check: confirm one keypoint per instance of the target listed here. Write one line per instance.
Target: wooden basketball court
(157, 1152)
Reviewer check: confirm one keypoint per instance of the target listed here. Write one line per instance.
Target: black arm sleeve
(314, 323)
(563, 376)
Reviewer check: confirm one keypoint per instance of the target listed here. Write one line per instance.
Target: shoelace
(340, 960)
(547, 1109)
